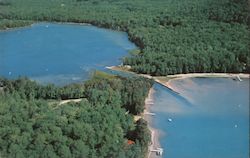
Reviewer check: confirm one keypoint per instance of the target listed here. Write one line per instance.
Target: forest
(100, 126)
(173, 36)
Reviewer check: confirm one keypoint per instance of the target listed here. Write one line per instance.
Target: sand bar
(166, 80)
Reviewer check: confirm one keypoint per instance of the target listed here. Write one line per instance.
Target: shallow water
(60, 53)
(210, 118)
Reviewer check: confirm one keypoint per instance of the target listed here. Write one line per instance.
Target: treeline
(99, 126)
(132, 92)
(7, 24)
(174, 36)
(27, 89)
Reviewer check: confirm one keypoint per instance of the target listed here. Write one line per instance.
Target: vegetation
(97, 127)
(6, 24)
(174, 36)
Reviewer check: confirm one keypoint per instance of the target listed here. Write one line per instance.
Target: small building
(130, 142)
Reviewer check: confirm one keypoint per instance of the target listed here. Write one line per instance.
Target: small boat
(170, 120)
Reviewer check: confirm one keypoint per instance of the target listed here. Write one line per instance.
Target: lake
(60, 53)
(210, 118)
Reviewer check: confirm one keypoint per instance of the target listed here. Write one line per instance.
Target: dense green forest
(174, 36)
(34, 124)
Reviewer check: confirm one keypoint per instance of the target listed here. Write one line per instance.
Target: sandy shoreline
(149, 101)
(194, 75)
(166, 80)
(182, 76)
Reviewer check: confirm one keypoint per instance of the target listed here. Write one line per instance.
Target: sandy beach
(149, 101)
(166, 80)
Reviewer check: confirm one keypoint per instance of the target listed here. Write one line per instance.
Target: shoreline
(169, 84)
(16, 28)
(32, 23)
(154, 143)
(166, 80)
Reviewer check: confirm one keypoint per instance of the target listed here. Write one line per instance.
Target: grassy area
(102, 75)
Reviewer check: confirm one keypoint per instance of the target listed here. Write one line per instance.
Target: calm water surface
(60, 53)
(210, 118)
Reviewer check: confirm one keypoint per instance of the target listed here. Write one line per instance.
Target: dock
(149, 101)
(154, 148)
(158, 151)
(149, 113)
(238, 77)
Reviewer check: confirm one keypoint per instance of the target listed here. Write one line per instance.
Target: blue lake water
(60, 53)
(210, 118)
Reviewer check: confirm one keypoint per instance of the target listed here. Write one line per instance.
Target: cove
(216, 125)
(60, 53)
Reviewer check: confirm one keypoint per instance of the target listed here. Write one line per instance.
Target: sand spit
(171, 78)
(166, 80)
